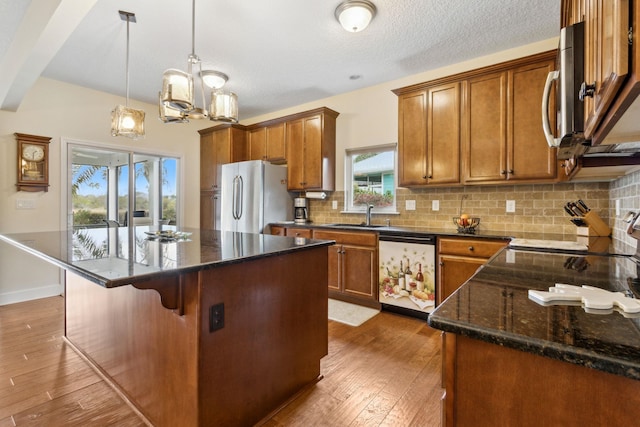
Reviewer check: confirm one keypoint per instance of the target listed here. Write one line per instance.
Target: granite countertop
(119, 256)
(494, 306)
(555, 241)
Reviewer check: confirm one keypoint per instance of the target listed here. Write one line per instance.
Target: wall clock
(33, 162)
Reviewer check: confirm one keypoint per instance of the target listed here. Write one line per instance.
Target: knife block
(595, 226)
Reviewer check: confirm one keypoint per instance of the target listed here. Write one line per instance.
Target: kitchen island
(197, 328)
(508, 360)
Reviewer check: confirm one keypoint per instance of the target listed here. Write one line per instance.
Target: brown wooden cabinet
(477, 127)
(611, 68)
(502, 132)
(307, 233)
(267, 142)
(353, 262)
(458, 260)
(353, 265)
(517, 388)
(277, 230)
(218, 145)
(311, 150)
(429, 136)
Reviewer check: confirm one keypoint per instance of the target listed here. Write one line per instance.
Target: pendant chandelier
(176, 101)
(126, 121)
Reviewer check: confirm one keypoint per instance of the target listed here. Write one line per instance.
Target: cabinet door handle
(441, 264)
(424, 176)
(586, 90)
(510, 171)
(503, 172)
(430, 176)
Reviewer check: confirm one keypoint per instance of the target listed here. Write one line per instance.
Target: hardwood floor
(385, 372)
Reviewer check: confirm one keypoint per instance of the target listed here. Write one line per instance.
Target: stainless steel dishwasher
(407, 273)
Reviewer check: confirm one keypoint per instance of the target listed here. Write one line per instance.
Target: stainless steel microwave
(569, 107)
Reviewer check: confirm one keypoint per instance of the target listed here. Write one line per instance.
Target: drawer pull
(471, 248)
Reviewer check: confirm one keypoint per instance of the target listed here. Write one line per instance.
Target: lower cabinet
(353, 262)
(353, 266)
(458, 260)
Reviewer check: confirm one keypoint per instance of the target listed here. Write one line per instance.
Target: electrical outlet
(216, 317)
(410, 205)
(435, 205)
(334, 204)
(511, 206)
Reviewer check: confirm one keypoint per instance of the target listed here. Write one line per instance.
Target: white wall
(62, 111)
(367, 117)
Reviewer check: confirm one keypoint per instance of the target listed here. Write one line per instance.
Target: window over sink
(370, 178)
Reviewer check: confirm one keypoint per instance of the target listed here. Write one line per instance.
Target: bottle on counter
(401, 283)
(420, 278)
(408, 277)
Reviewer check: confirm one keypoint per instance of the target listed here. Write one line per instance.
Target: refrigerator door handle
(240, 199)
(234, 198)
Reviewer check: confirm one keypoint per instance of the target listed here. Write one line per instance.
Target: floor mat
(350, 314)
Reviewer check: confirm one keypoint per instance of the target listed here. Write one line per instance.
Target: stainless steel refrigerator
(254, 194)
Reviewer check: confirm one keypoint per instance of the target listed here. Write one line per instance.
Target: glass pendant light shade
(355, 15)
(168, 114)
(126, 121)
(177, 90)
(224, 107)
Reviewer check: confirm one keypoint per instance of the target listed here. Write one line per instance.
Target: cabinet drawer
(299, 232)
(470, 247)
(347, 238)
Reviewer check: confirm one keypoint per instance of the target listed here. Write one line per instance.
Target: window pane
(169, 195)
(89, 191)
(123, 193)
(372, 177)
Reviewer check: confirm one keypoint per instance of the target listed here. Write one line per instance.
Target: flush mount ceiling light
(213, 79)
(176, 99)
(126, 121)
(355, 15)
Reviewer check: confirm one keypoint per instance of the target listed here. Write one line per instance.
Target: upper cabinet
(267, 142)
(219, 145)
(478, 127)
(311, 150)
(612, 67)
(503, 138)
(429, 136)
(606, 56)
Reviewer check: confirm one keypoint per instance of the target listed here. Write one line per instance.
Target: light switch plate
(334, 204)
(25, 204)
(617, 207)
(435, 205)
(410, 205)
(511, 206)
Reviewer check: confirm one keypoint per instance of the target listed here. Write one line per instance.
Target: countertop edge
(543, 348)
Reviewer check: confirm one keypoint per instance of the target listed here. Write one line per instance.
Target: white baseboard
(30, 294)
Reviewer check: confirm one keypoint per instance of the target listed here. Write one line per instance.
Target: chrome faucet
(368, 220)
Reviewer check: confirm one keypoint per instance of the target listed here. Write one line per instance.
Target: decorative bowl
(466, 225)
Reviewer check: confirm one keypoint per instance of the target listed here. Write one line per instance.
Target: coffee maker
(300, 213)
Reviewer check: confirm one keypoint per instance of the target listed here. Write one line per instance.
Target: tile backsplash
(625, 192)
(538, 208)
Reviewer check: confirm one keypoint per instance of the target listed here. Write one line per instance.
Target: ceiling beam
(44, 29)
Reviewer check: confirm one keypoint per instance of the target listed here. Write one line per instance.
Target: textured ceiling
(277, 53)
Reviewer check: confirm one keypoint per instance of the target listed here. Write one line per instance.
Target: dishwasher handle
(421, 240)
